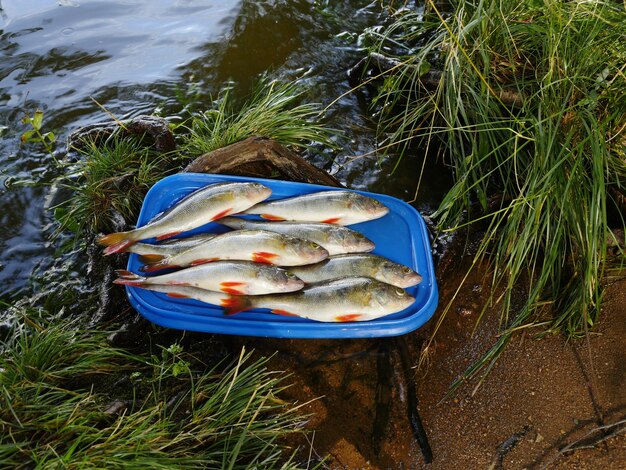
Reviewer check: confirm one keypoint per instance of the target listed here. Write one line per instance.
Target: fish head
(307, 249)
(388, 298)
(397, 274)
(256, 192)
(286, 281)
(356, 241)
(369, 205)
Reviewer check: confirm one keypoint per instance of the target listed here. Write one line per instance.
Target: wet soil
(543, 402)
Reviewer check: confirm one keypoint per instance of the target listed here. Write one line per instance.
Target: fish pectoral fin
(271, 217)
(198, 262)
(285, 313)
(230, 287)
(224, 213)
(168, 235)
(151, 258)
(177, 295)
(235, 304)
(332, 220)
(264, 257)
(348, 317)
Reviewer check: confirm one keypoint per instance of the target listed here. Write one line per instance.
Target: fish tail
(235, 304)
(129, 279)
(116, 242)
(124, 273)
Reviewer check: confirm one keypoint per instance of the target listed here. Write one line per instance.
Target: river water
(139, 57)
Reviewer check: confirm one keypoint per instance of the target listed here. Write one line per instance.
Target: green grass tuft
(55, 382)
(109, 183)
(272, 111)
(531, 107)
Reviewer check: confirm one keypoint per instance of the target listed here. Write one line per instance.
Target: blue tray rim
(302, 329)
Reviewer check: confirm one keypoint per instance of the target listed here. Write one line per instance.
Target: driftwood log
(262, 158)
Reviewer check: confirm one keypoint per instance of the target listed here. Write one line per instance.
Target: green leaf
(50, 136)
(27, 136)
(423, 67)
(37, 119)
(64, 217)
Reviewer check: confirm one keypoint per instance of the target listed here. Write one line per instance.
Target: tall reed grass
(530, 107)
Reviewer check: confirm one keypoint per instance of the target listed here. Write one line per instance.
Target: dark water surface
(140, 57)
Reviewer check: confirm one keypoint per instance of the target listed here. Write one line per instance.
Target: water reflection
(135, 57)
(63, 54)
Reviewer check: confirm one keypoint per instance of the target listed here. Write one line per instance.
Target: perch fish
(196, 209)
(334, 238)
(360, 264)
(232, 277)
(339, 300)
(331, 207)
(260, 246)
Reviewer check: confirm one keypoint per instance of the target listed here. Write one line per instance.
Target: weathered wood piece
(262, 158)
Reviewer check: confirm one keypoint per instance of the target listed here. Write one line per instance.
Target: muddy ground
(542, 396)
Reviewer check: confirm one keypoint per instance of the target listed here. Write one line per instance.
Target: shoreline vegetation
(68, 398)
(526, 104)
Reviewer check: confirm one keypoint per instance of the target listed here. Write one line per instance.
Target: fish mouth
(380, 211)
(259, 192)
(315, 256)
(293, 283)
(367, 245)
(409, 281)
(408, 301)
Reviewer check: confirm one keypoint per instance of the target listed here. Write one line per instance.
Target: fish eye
(399, 291)
(406, 269)
(313, 245)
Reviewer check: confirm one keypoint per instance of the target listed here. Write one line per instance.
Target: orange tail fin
(116, 242)
(235, 304)
(126, 274)
(129, 279)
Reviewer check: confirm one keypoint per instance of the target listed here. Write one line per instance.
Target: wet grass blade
(532, 101)
(53, 402)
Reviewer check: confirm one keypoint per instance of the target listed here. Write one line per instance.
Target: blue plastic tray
(400, 236)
